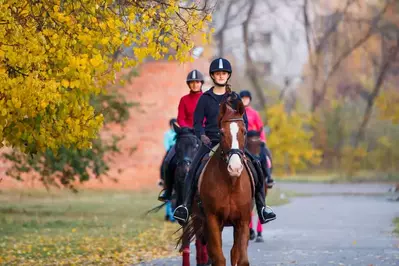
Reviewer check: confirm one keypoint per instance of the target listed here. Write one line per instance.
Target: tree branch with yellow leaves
(55, 55)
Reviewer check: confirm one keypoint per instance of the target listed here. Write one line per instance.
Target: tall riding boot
(265, 213)
(166, 194)
(182, 212)
(265, 153)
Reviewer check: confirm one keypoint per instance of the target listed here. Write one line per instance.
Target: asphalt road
(328, 229)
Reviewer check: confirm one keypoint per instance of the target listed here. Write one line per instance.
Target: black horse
(187, 145)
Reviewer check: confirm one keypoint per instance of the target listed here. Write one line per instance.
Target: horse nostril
(230, 168)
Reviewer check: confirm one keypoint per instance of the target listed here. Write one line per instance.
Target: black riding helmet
(195, 75)
(245, 93)
(220, 64)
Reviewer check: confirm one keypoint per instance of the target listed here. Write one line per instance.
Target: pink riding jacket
(255, 123)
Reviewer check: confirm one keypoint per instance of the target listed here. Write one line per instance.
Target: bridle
(226, 155)
(186, 160)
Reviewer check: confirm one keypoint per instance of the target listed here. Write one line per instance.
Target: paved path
(329, 189)
(324, 230)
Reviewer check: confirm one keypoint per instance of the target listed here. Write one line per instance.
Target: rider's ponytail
(228, 88)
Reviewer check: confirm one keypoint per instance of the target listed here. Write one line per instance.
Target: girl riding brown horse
(225, 190)
(208, 109)
(231, 202)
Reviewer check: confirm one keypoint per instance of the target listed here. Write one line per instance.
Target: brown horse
(225, 190)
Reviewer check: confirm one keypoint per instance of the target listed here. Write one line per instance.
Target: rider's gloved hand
(205, 140)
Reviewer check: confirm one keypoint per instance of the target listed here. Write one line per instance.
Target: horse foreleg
(241, 239)
(202, 254)
(234, 253)
(186, 251)
(214, 243)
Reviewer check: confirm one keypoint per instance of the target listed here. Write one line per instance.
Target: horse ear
(176, 128)
(230, 110)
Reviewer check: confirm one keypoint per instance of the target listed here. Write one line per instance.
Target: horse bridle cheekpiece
(226, 155)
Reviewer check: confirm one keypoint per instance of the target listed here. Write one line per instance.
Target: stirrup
(268, 219)
(161, 196)
(184, 220)
(268, 208)
(271, 184)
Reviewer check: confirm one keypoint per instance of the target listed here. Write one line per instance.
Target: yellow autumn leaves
(54, 57)
(73, 249)
(388, 105)
(289, 140)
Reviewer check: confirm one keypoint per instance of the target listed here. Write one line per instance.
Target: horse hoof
(251, 234)
(259, 239)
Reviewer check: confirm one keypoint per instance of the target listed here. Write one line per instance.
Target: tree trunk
(388, 59)
(250, 66)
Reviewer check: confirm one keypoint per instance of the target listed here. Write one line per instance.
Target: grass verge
(88, 228)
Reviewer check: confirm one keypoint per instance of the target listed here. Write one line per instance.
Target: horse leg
(241, 238)
(251, 231)
(234, 253)
(259, 228)
(186, 251)
(203, 238)
(215, 241)
(202, 254)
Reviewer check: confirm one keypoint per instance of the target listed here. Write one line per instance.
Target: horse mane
(230, 107)
(233, 101)
(184, 131)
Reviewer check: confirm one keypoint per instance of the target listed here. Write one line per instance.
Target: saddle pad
(201, 172)
(202, 167)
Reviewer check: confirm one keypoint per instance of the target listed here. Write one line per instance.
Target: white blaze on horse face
(235, 165)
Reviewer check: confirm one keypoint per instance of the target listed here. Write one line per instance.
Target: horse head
(233, 134)
(254, 142)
